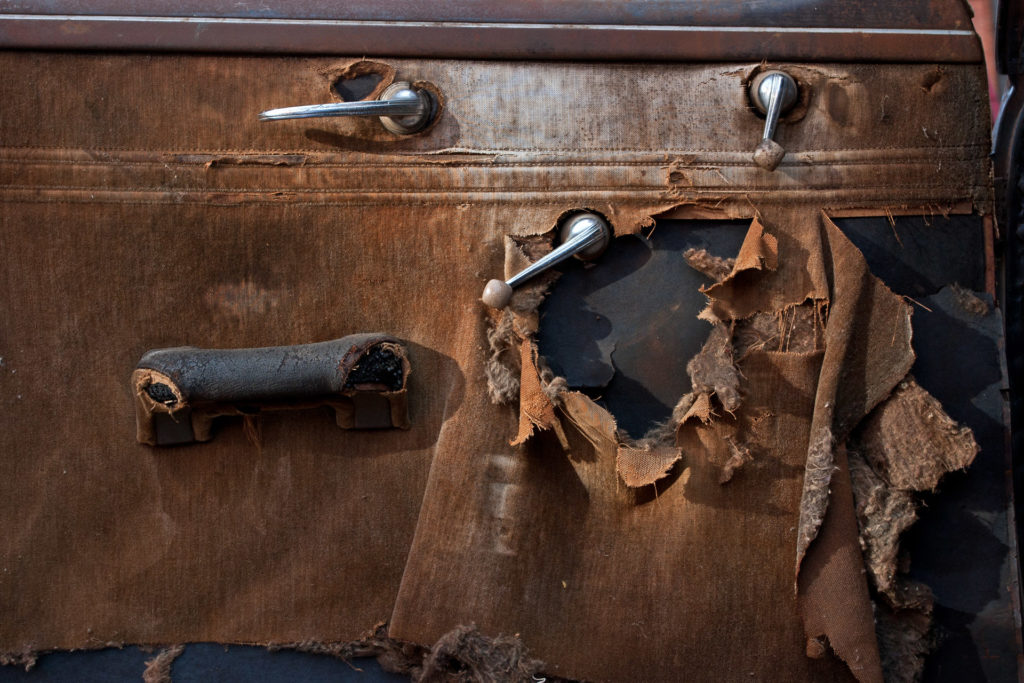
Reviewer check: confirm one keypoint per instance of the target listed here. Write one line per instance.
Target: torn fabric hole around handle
(799, 287)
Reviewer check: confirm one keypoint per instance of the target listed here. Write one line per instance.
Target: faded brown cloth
(126, 224)
(867, 353)
(639, 568)
(604, 586)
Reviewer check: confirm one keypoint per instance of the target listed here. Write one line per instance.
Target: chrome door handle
(402, 108)
(773, 93)
(585, 236)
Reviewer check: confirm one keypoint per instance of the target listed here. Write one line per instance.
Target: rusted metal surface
(794, 30)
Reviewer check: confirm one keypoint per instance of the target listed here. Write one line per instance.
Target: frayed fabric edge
(158, 669)
(462, 654)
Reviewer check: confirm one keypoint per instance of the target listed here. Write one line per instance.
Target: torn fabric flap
(803, 257)
(866, 353)
(903, 447)
(592, 421)
(536, 411)
(832, 589)
(700, 408)
(799, 288)
(645, 465)
(911, 441)
(746, 290)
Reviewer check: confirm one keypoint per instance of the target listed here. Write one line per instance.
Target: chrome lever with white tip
(402, 108)
(773, 93)
(584, 235)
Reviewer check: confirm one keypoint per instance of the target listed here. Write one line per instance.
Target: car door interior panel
(732, 405)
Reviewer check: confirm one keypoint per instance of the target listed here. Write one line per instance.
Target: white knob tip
(497, 294)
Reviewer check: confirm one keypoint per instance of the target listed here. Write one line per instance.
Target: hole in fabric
(356, 87)
(623, 330)
(919, 255)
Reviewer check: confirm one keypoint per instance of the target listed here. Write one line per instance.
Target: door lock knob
(773, 93)
(584, 235)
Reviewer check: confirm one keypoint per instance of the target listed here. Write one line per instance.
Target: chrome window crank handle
(584, 235)
(773, 93)
(402, 108)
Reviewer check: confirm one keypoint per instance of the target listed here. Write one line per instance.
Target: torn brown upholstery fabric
(904, 446)
(646, 465)
(535, 409)
(833, 590)
(794, 262)
(867, 352)
(563, 554)
(129, 227)
(911, 442)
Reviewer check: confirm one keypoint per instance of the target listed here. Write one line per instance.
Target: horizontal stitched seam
(482, 150)
(524, 164)
(256, 197)
(462, 190)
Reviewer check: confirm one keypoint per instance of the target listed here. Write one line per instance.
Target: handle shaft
(369, 108)
(774, 85)
(402, 109)
(588, 233)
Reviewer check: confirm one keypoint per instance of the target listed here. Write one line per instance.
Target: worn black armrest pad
(178, 391)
